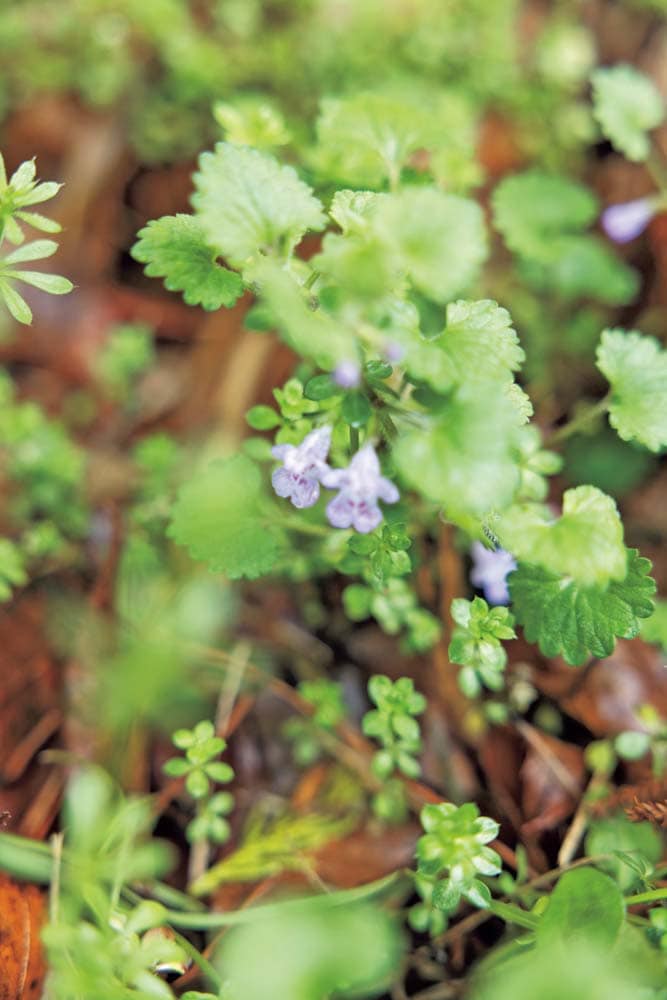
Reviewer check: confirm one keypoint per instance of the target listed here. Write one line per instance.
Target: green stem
(584, 417)
(57, 841)
(293, 524)
(652, 896)
(211, 921)
(167, 895)
(311, 279)
(513, 914)
(203, 963)
(354, 440)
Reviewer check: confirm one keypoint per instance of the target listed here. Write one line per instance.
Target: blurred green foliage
(161, 64)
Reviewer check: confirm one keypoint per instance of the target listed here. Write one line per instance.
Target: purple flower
(347, 374)
(490, 569)
(393, 352)
(361, 485)
(303, 465)
(626, 221)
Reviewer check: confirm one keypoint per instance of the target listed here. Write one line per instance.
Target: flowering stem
(581, 420)
(294, 524)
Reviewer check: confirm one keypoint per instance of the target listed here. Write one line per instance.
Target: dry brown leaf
(605, 696)
(21, 958)
(552, 778)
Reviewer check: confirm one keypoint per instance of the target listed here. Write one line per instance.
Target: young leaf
(568, 618)
(175, 248)
(23, 189)
(249, 203)
(351, 210)
(366, 139)
(619, 839)
(218, 517)
(16, 304)
(54, 284)
(262, 418)
(476, 644)
(533, 209)
(39, 221)
(585, 543)
(252, 121)
(36, 250)
(440, 239)
(627, 105)
(636, 367)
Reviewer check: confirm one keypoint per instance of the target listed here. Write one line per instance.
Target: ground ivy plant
(406, 408)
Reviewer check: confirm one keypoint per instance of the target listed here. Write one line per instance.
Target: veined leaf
(636, 367)
(576, 621)
(175, 248)
(248, 203)
(218, 517)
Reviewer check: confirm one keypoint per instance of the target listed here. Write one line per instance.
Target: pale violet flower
(303, 465)
(347, 374)
(361, 485)
(490, 569)
(393, 352)
(626, 221)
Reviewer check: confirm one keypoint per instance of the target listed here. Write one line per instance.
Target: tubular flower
(347, 374)
(303, 466)
(626, 221)
(361, 485)
(490, 569)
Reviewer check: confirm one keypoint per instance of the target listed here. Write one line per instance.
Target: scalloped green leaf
(478, 343)
(248, 203)
(439, 239)
(533, 209)
(636, 368)
(220, 518)
(368, 138)
(576, 621)
(627, 104)
(585, 543)
(465, 459)
(174, 248)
